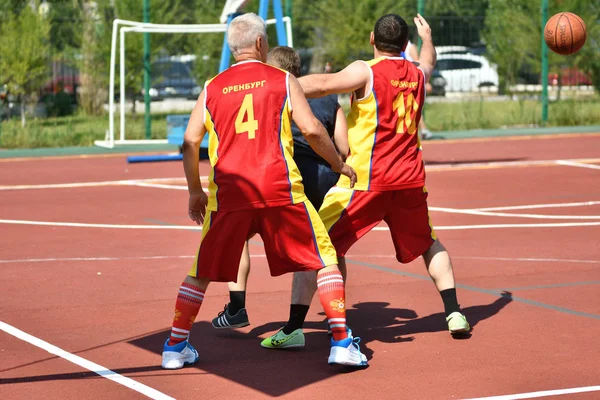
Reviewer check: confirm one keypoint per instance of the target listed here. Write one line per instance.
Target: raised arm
(354, 77)
(428, 56)
(194, 133)
(340, 133)
(315, 132)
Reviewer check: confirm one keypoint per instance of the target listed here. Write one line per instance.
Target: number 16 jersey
(248, 120)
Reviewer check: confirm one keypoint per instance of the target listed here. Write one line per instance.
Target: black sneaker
(227, 321)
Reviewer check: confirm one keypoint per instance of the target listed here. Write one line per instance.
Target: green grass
(82, 130)
(77, 130)
(508, 114)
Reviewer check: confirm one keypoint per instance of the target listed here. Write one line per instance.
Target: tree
(345, 26)
(24, 55)
(513, 36)
(95, 50)
(588, 58)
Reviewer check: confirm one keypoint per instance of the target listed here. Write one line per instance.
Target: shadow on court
(237, 355)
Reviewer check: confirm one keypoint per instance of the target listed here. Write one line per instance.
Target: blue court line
(497, 293)
(555, 285)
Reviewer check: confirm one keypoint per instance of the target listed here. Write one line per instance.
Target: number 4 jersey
(385, 150)
(248, 120)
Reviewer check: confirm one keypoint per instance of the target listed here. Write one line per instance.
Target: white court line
(86, 364)
(500, 226)
(199, 227)
(578, 162)
(523, 259)
(500, 164)
(55, 259)
(534, 206)
(571, 163)
(517, 215)
(161, 186)
(94, 184)
(527, 259)
(545, 393)
(111, 226)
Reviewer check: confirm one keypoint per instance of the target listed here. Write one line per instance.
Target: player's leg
(214, 263)
(234, 314)
(318, 179)
(413, 236)
(302, 244)
(439, 265)
(348, 215)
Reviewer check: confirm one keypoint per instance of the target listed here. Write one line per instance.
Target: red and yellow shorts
(294, 237)
(349, 214)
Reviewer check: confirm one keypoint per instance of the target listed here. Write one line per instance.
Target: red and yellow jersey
(385, 150)
(247, 118)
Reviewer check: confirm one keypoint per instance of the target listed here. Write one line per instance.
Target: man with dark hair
(385, 150)
(317, 178)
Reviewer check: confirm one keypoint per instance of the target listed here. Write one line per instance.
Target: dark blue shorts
(317, 179)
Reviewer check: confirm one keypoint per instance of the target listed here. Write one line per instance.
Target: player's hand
(197, 206)
(422, 27)
(349, 172)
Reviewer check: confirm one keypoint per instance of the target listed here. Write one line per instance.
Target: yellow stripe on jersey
(334, 204)
(213, 155)
(362, 126)
(323, 244)
(287, 147)
(205, 228)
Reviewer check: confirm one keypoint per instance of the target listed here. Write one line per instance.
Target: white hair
(244, 30)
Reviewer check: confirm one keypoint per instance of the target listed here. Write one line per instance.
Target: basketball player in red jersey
(388, 97)
(255, 187)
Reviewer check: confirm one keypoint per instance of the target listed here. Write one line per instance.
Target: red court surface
(94, 249)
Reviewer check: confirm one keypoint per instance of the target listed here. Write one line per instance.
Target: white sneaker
(175, 357)
(347, 352)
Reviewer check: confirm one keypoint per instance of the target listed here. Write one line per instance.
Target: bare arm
(192, 138)
(355, 76)
(428, 56)
(340, 134)
(314, 132)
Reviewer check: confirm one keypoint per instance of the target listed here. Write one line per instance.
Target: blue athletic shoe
(175, 357)
(347, 352)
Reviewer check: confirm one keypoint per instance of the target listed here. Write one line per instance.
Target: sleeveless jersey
(385, 150)
(250, 146)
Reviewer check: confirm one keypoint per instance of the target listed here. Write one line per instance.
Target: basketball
(565, 33)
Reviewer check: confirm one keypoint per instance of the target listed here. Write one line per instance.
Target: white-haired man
(255, 187)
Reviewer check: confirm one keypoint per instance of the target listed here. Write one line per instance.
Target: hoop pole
(122, 84)
(288, 29)
(111, 89)
(263, 9)
(225, 52)
(282, 40)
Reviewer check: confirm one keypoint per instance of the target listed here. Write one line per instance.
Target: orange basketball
(565, 33)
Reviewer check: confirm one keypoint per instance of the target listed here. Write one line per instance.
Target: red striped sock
(333, 300)
(187, 306)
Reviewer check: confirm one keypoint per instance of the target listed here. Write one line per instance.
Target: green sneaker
(282, 341)
(457, 323)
